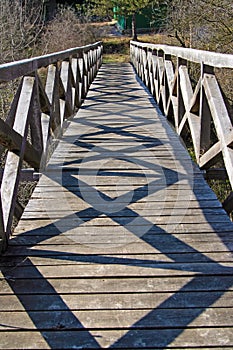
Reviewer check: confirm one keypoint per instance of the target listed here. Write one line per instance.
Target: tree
(21, 23)
(131, 8)
(202, 24)
(66, 30)
(124, 8)
(51, 7)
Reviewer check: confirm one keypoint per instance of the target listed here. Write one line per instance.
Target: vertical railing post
(84, 75)
(151, 72)
(160, 78)
(3, 235)
(180, 102)
(204, 113)
(11, 174)
(155, 60)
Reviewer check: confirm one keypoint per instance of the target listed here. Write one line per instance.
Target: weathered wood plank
(127, 319)
(119, 247)
(124, 301)
(63, 339)
(117, 285)
(110, 270)
(137, 259)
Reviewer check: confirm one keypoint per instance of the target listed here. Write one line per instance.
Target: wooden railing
(196, 107)
(50, 89)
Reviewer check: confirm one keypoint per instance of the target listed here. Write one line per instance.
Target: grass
(117, 49)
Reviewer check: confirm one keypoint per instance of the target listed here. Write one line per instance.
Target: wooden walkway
(123, 245)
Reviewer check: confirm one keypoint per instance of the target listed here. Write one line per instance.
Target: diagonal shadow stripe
(44, 288)
(165, 329)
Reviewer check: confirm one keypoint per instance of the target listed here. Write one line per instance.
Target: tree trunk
(51, 6)
(134, 27)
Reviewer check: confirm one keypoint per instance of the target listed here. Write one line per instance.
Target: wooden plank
(110, 270)
(63, 339)
(119, 247)
(117, 285)
(127, 319)
(149, 209)
(121, 301)
(130, 222)
(137, 259)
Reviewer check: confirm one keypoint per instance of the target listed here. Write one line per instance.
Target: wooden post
(3, 235)
(134, 27)
(180, 102)
(13, 164)
(205, 114)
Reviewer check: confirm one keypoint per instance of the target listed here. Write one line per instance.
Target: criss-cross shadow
(161, 329)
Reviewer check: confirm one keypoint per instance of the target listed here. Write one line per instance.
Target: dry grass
(116, 49)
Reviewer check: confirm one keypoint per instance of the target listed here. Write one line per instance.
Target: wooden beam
(215, 59)
(228, 203)
(216, 174)
(12, 140)
(13, 70)
(221, 120)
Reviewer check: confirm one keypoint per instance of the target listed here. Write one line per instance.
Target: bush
(67, 30)
(20, 28)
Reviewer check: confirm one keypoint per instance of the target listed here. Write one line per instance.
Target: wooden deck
(123, 245)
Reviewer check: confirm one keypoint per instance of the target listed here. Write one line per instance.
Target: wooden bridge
(123, 244)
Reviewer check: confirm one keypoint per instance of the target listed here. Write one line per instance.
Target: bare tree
(67, 30)
(21, 23)
(206, 24)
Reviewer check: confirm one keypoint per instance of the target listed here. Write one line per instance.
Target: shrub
(67, 30)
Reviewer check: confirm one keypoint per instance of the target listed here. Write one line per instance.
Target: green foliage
(123, 7)
(96, 9)
(159, 14)
(128, 7)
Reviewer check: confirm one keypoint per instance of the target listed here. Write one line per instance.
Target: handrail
(13, 70)
(199, 110)
(215, 59)
(44, 100)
